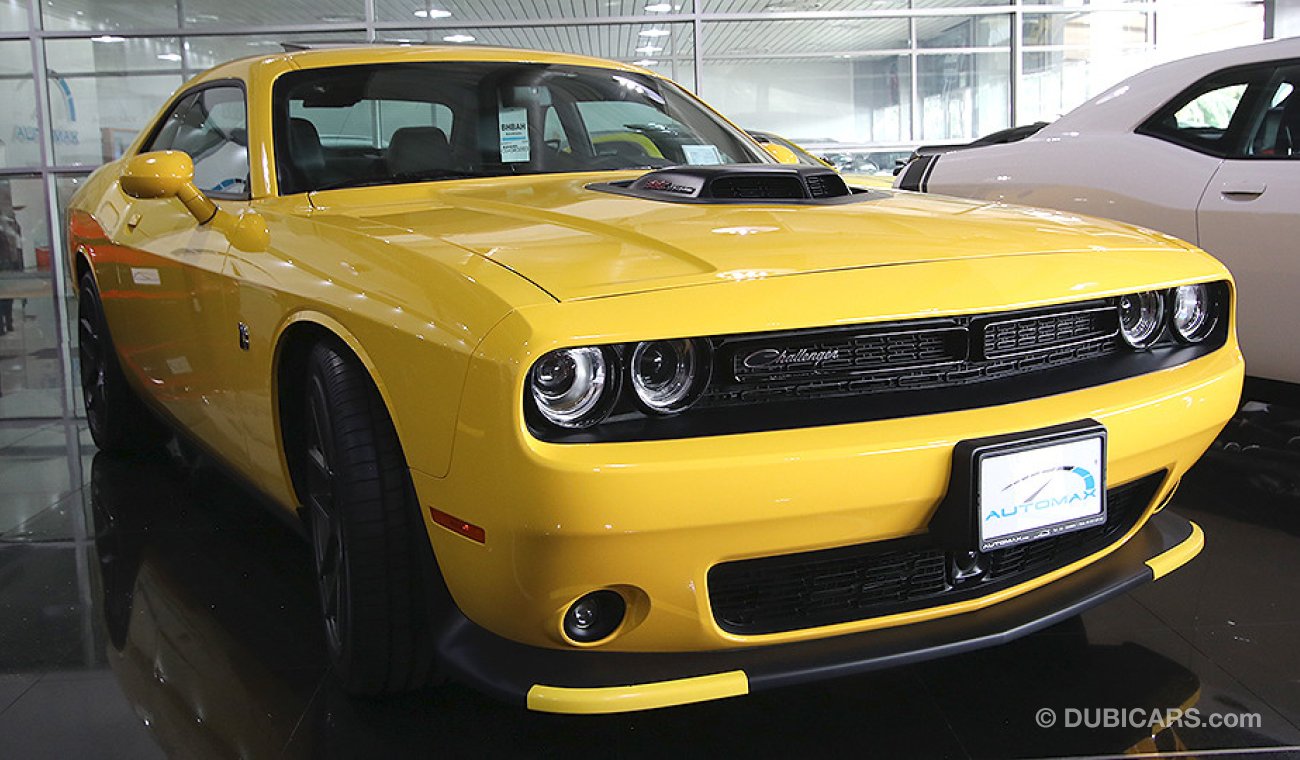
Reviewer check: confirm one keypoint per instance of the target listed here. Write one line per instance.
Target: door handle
(133, 222)
(1242, 188)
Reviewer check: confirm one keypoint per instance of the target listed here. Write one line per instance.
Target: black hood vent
(740, 183)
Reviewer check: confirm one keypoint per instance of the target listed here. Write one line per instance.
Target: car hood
(576, 242)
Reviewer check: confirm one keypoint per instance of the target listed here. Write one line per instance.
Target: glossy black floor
(148, 610)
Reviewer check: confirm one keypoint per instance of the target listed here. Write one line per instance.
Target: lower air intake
(795, 591)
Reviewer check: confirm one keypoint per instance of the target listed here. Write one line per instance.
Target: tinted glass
(1276, 129)
(1212, 115)
(394, 123)
(212, 127)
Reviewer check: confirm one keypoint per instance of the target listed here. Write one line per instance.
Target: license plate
(1037, 491)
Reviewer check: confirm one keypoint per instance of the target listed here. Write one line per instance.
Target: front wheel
(375, 569)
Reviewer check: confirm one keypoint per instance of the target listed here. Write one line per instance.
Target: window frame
(161, 121)
(1256, 76)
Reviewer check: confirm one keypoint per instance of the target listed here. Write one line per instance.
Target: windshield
(392, 123)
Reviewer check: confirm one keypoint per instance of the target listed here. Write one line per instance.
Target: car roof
(1123, 107)
(352, 55)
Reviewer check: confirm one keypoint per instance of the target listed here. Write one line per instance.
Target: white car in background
(1206, 149)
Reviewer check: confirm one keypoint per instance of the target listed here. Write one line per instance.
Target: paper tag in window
(701, 155)
(513, 124)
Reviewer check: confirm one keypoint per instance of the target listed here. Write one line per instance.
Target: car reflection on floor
(212, 632)
(183, 613)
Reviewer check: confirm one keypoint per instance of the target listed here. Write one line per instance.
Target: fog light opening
(965, 567)
(595, 616)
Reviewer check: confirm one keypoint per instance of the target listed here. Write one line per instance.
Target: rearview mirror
(167, 174)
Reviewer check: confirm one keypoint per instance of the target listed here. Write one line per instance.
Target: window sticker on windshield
(513, 123)
(701, 155)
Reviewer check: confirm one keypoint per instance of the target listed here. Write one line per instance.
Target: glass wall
(861, 82)
(30, 374)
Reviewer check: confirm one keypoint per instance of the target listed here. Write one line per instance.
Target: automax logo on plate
(1040, 492)
(1084, 488)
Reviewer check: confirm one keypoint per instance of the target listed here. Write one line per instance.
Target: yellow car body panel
(870, 181)
(448, 292)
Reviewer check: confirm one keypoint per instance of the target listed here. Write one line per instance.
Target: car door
(174, 297)
(1249, 217)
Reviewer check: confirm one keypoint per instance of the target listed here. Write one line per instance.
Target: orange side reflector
(457, 525)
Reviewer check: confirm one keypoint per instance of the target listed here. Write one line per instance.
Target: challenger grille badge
(770, 358)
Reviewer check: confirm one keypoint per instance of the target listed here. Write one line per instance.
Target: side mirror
(780, 153)
(167, 174)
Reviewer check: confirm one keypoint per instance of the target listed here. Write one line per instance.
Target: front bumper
(590, 682)
(650, 519)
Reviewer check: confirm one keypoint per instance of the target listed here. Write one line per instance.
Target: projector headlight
(574, 387)
(668, 375)
(1141, 318)
(1193, 313)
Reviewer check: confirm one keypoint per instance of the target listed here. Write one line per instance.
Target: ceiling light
(432, 13)
(342, 19)
(648, 49)
(654, 32)
(169, 56)
(107, 38)
(201, 18)
(658, 8)
(458, 38)
(645, 62)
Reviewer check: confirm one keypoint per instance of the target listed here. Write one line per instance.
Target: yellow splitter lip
(559, 681)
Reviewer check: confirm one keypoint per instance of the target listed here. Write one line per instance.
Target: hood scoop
(740, 183)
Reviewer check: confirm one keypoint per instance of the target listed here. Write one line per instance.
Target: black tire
(375, 569)
(119, 422)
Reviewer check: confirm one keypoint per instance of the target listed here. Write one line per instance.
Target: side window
(635, 132)
(212, 126)
(1275, 132)
(370, 124)
(1212, 116)
(553, 131)
(399, 114)
(166, 136)
(1210, 112)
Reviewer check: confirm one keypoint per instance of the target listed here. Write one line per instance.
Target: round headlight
(668, 374)
(1193, 316)
(1141, 317)
(571, 386)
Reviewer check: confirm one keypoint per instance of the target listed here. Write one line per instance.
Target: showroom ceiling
(146, 14)
(654, 37)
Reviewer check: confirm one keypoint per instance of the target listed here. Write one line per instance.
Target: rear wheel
(118, 420)
(375, 569)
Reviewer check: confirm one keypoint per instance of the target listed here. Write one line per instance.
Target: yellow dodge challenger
(585, 400)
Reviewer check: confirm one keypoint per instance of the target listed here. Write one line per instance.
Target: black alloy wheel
(324, 518)
(380, 591)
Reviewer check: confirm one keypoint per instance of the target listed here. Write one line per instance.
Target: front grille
(1035, 333)
(829, 586)
(834, 353)
(918, 355)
